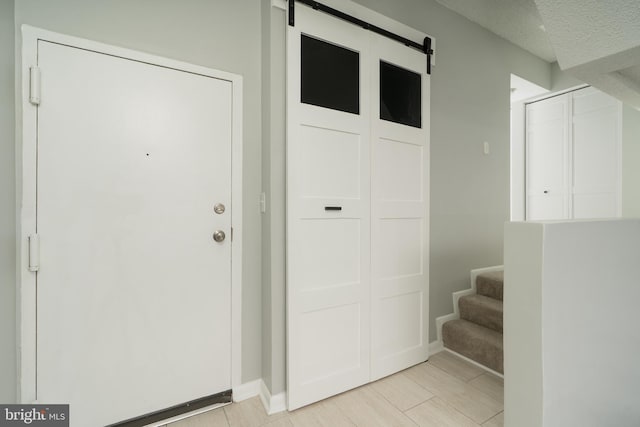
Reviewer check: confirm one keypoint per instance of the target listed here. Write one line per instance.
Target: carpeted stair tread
(490, 284)
(474, 341)
(482, 310)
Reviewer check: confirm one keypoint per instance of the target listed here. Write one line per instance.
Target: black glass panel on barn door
(330, 76)
(400, 95)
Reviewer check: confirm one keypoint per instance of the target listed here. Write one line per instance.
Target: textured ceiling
(515, 20)
(598, 42)
(583, 31)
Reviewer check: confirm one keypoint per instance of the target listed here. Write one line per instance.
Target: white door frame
(518, 157)
(26, 194)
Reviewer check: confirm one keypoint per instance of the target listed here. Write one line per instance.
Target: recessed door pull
(333, 208)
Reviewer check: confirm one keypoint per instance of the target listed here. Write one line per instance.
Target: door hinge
(232, 234)
(34, 85)
(34, 252)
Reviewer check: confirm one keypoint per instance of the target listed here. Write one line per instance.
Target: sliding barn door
(399, 207)
(328, 243)
(357, 197)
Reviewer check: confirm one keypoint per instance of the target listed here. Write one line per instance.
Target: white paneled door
(547, 139)
(596, 155)
(328, 241)
(573, 156)
(357, 197)
(133, 293)
(399, 209)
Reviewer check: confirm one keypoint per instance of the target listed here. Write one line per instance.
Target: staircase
(477, 334)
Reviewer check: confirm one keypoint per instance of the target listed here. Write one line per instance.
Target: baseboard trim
(473, 362)
(272, 404)
(441, 321)
(435, 347)
(246, 391)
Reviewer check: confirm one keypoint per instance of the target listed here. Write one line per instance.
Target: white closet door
(399, 218)
(328, 247)
(596, 155)
(133, 294)
(547, 175)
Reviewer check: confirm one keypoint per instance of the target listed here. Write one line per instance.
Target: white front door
(133, 293)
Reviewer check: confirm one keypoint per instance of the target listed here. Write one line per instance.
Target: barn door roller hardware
(424, 47)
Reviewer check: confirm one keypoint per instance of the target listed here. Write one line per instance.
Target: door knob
(219, 236)
(219, 208)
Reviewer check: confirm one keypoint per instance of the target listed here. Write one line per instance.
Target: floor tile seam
(419, 385)
(455, 400)
(456, 378)
(340, 410)
(501, 412)
(464, 394)
(476, 377)
(487, 396)
(465, 415)
(424, 401)
(277, 419)
(479, 389)
(345, 415)
(419, 403)
(451, 406)
(383, 398)
(490, 418)
(226, 415)
(423, 387)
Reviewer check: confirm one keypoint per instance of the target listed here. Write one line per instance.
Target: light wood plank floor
(445, 391)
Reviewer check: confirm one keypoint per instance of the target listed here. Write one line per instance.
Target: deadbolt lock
(219, 208)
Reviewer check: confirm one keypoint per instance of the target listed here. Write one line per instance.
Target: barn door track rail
(424, 47)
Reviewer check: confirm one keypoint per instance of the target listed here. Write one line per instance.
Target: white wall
(523, 243)
(224, 35)
(7, 208)
(630, 162)
(571, 293)
(518, 161)
(273, 184)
